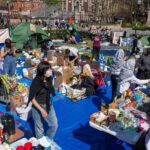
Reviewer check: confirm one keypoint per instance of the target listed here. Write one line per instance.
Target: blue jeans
(51, 120)
(9, 65)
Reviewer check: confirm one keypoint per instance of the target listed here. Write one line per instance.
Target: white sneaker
(44, 142)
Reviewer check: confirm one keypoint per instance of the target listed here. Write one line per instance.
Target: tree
(52, 1)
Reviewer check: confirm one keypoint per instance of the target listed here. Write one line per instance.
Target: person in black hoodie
(42, 108)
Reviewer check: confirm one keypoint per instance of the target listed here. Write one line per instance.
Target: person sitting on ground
(66, 38)
(72, 40)
(127, 77)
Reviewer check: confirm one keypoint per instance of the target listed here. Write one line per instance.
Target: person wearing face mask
(42, 108)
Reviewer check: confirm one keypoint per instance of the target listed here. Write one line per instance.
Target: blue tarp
(74, 132)
(1, 45)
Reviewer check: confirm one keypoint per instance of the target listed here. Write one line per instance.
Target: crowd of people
(125, 70)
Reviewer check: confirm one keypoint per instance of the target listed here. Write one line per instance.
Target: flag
(71, 20)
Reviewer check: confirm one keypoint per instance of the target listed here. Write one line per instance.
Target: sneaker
(44, 142)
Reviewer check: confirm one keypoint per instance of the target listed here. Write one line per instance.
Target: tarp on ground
(4, 34)
(27, 31)
(144, 40)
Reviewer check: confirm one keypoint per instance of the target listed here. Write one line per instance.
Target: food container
(112, 116)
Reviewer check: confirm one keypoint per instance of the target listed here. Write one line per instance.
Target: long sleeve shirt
(125, 84)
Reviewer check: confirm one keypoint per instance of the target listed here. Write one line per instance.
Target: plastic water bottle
(101, 62)
(101, 66)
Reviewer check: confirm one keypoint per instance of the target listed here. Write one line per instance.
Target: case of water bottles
(103, 63)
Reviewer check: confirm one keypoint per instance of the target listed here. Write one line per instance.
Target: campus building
(80, 9)
(17, 8)
(101, 10)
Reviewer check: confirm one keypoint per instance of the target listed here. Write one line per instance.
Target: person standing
(116, 66)
(134, 45)
(8, 54)
(42, 107)
(144, 66)
(96, 47)
(127, 77)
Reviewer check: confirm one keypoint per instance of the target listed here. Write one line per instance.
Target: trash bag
(9, 124)
(89, 84)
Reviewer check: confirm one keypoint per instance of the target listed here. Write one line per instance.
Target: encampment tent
(144, 40)
(4, 34)
(25, 32)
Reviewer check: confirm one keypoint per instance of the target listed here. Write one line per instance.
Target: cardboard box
(50, 55)
(60, 59)
(16, 101)
(67, 74)
(58, 79)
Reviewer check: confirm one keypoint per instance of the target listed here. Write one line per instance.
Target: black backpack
(89, 84)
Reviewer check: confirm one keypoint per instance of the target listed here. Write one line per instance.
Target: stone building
(17, 8)
(80, 9)
(101, 10)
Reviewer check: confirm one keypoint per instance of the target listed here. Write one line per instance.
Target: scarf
(118, 61)
(127, 70)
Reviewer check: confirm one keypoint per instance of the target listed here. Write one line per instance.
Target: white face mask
(48, 73)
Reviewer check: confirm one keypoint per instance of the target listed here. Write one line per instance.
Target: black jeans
(135, 50)
(95, 53)
(114, 81)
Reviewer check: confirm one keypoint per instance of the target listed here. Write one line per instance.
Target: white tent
(4, 34)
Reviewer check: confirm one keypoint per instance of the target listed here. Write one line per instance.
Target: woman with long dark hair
(42, 108)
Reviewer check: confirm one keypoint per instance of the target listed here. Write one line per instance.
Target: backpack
(88, 83)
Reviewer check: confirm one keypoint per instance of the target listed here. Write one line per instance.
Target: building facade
(101, 10)
(17, 8)
(80, 9)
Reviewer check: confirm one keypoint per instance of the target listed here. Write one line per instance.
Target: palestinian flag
(72, 24)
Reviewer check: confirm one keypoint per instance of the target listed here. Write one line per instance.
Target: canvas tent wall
(144, 40)
(4, 34)
(25, 32)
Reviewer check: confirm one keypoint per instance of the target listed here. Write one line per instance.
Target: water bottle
(101, 66)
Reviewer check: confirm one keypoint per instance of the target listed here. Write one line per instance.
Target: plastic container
(28, 146)
(20, 148)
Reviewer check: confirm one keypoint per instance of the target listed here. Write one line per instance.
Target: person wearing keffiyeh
(116, 66)
(127, 77)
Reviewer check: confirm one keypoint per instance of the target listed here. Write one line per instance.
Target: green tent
(144, 40)
(25, 32)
